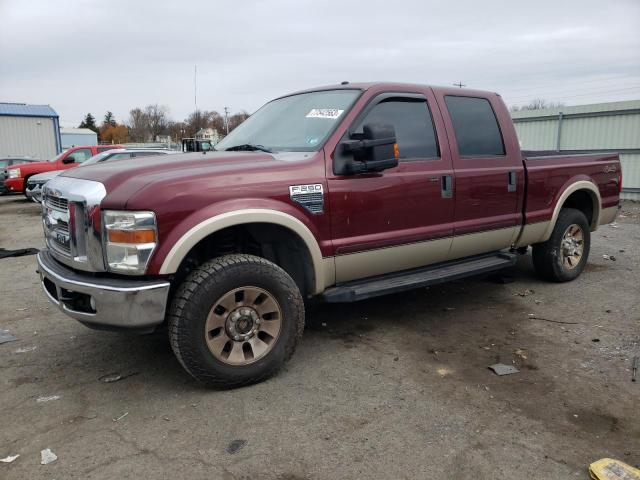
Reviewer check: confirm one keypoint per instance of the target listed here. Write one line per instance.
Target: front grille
(57, 203)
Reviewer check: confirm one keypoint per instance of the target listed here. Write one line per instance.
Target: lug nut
(236, 337)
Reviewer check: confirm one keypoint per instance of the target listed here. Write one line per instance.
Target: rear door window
(475, 126)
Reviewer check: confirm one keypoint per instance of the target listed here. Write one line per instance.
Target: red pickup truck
(340, 193)
(16, 177)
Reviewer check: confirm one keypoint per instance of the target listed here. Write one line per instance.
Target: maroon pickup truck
(340, 193)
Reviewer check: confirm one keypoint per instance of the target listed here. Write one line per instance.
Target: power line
(551, 95)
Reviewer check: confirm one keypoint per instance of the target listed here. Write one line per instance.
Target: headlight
(130, 238)
(14, 173)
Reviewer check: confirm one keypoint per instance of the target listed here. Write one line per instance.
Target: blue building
(29, 130)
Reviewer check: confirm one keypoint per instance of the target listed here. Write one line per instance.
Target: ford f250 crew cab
(340, 193)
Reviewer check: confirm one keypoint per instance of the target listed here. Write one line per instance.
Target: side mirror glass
(68, 159)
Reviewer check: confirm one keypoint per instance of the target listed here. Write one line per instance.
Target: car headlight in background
(14, 173)
(130, 238)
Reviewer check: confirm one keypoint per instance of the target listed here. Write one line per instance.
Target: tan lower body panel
(532, 233)
(393, 259)
(608, 215)
(483, 242)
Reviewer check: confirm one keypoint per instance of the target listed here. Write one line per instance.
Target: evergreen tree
(89, 122)
(109, 119)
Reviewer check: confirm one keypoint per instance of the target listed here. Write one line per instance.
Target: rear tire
(563, 257)
(235, 320)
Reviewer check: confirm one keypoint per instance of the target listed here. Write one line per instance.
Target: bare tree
(137, 125)
(536, 104)
(236, 119)
(157, 120)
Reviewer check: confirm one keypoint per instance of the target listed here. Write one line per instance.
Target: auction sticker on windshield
(331, 113)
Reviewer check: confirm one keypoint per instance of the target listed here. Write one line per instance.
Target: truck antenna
(459, 84)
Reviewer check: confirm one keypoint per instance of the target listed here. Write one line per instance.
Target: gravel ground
(395, 387)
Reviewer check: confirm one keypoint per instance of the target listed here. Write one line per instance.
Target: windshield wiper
(250, 147)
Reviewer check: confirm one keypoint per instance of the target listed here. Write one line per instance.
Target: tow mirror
(375, 151)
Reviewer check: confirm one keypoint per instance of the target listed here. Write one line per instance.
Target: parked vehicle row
(70, 158)
(34, 183)
(8, 162)
(338, 193)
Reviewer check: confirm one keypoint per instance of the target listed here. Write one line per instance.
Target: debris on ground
(116, 377)
(537, 302)
(443, 371)
(503, 369)
(610, 469)
(47, 457)
(121, 416)
(521, 353)
(609, 257)
(236, 446)
(595, 340)
(50, 398)
(9, 458)
(21, 252)
(533, 316)
(526, 293)
(635, 365)
(26, 349)
(5, 337)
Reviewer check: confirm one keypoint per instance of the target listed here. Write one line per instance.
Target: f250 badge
(310, 197)
(610, 169)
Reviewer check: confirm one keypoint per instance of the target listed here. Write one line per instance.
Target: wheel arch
(582, 195)
(252, 219)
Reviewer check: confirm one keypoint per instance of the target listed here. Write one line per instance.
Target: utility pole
(195, 86)
(459, 84)
(226, 119)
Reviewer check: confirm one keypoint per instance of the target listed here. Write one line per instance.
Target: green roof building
(600, 127)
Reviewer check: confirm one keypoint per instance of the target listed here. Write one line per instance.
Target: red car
(339, 193)
(17, 176)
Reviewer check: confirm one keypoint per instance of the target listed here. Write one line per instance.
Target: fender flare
(592, 189)
(195, 234)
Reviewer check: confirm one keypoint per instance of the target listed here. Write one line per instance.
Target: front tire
(563, 257)
(235, 320)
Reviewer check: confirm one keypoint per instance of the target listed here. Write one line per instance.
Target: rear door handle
(512, 181)
(446, 184)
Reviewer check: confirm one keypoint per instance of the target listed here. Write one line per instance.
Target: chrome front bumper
(104, 302)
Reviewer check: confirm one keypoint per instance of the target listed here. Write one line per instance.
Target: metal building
(73, 137)
(600, 127)
(29, 130)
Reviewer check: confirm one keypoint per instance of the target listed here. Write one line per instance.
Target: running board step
(416, 278)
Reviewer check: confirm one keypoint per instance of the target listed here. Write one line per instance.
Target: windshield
(298, 123)
(59, 156)
(96, 158)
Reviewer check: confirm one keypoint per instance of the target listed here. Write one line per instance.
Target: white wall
(28, 136)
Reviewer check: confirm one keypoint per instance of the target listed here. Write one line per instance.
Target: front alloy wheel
(235, 320)
(243, 325)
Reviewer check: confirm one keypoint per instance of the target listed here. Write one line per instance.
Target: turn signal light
(131, 236)
(396, 151)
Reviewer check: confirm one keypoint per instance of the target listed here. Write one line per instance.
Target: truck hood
(170, 176)
(46, 176)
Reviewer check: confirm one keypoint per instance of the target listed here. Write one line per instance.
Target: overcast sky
(92, 56)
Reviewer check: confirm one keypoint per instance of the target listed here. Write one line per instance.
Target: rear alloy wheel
(563, 257)
(235, 320)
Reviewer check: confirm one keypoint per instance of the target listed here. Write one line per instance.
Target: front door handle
(512, 181)
(446, 185)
